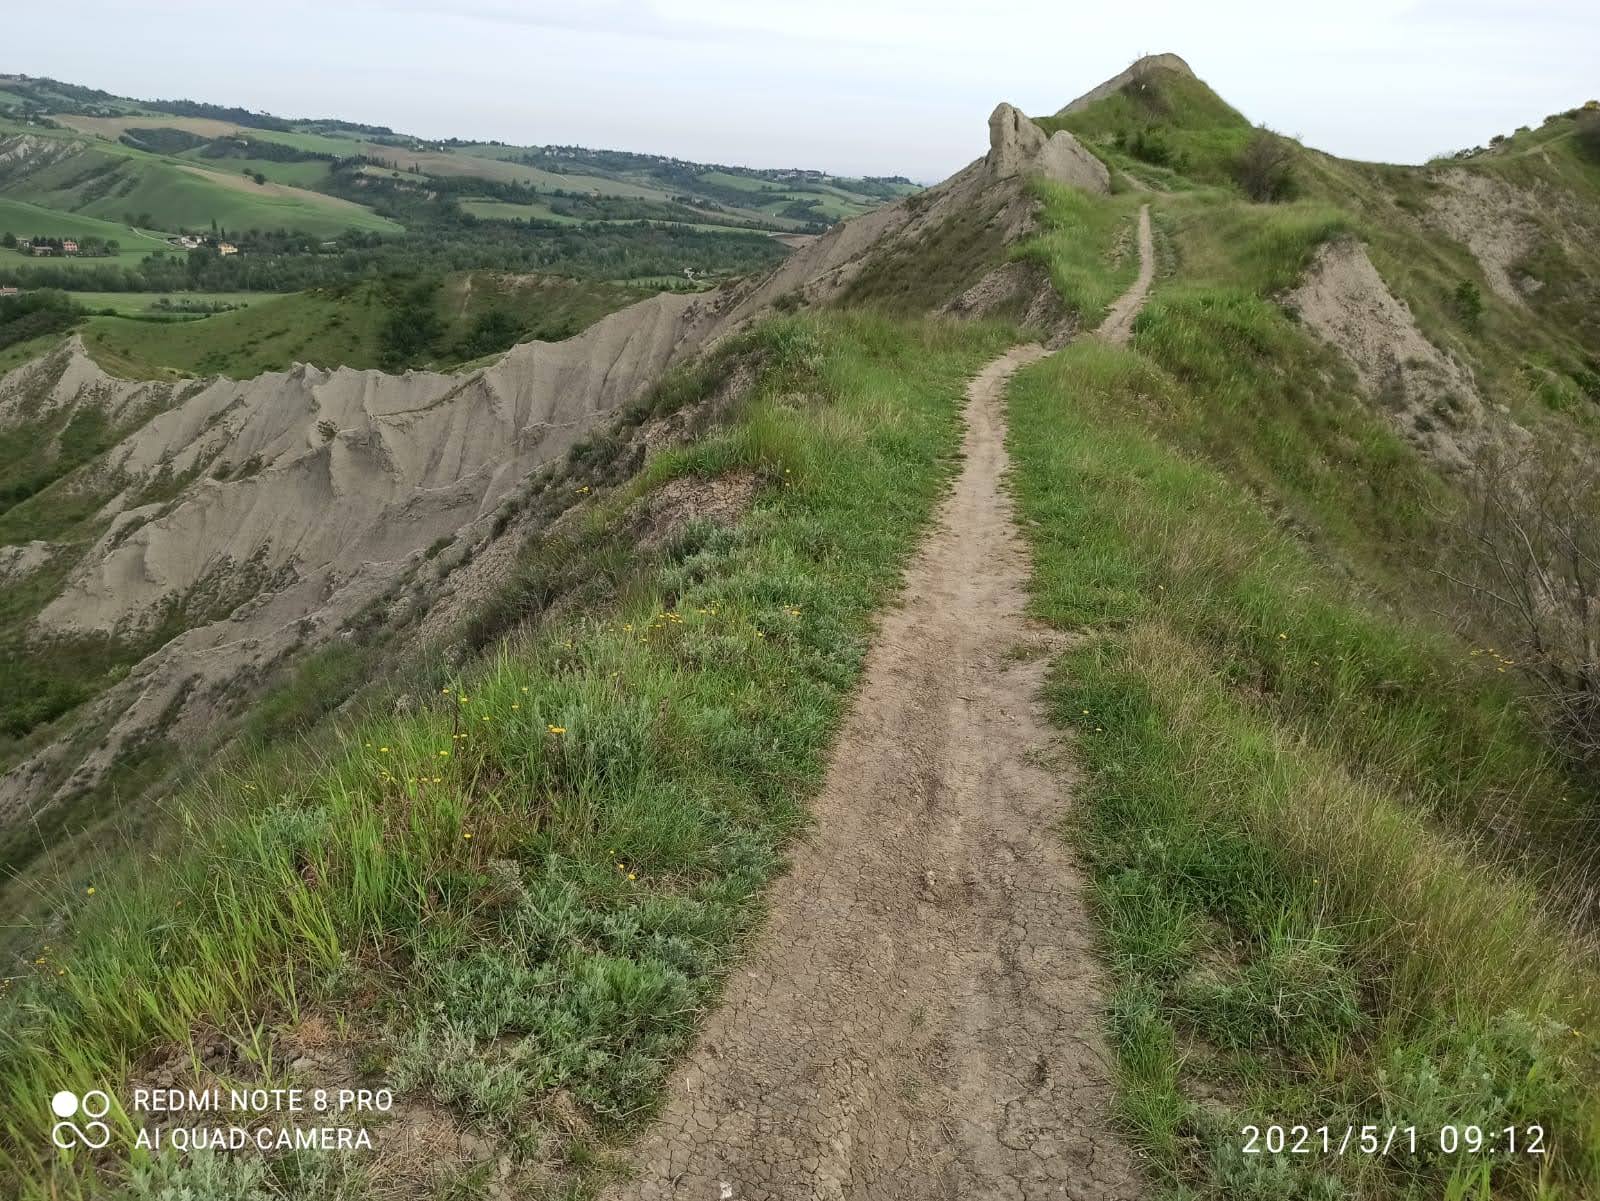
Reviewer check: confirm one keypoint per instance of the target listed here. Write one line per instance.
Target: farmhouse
(41, 249)
(68, 246)
(226, 248)
(9, 291)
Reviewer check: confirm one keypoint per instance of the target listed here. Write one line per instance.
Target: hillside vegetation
(1342, 836)
(396, 323)
(323, 206)
(184, 167)
(1325, 591)
(616, 782)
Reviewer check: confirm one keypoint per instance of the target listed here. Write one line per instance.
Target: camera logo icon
(92, 1106)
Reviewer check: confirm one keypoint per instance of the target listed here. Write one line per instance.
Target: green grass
(23, 353)
(1330, 846)
(27, 220)
(327, 328)
(183, 199)
(30, 220)
(1088, 245)
(340, 327)
(501, 210)
(159, 303)
(529, 885)
(310, 174)
(1169, 122)
(111, 181)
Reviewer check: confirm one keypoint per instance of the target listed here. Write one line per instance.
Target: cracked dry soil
(918, 1017)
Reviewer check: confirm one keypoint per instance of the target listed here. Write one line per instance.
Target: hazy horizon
(879, 87)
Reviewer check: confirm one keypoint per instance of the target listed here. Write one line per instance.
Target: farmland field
(133, 303)
(344, 326)
(504, 210)
(27, 220)
(113, 182)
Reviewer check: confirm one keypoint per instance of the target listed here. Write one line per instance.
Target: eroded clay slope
(1428, 394)
(289, 502)
(269, 512)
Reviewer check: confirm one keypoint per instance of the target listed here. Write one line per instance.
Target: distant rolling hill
(188, 166)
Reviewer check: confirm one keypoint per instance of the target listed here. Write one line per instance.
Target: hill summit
(1138, 70)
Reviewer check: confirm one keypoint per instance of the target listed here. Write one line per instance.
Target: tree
(1469, 303)
(1533, 559)
(1265, 167)
(1587, 135)
(491, 331)
(8, 240)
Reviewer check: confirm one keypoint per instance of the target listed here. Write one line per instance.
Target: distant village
(196, 242)
(40, 247)
(43, 248)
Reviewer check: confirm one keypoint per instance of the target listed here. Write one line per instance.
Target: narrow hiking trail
(1118, 325)
(919, 1016)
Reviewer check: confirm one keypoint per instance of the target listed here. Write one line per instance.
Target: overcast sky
(854, 86)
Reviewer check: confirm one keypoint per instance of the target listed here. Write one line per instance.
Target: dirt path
(918, 1018)
(1118, 325)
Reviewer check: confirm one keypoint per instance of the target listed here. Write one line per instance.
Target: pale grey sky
(854, 86)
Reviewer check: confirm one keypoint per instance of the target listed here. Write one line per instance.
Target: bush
(1533, 555)
(34, 314)
(1265, 168)
(1468, 303)
(1587, 136)
(1151, 145)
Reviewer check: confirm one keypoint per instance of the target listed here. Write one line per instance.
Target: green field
(500, 210)
(148, 302)
(339, 326)
(299, 175)
(115, 182)
(27, 220)
(504, 210)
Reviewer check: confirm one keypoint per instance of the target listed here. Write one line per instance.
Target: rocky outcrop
(1141, 69)
(1017, 146)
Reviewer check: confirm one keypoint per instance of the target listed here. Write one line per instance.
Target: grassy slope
(1191, 135)
(167, 188)
(178, 194)
(337, 327)
(561, 861)
(134, 303)
(27, 220)
(1324, 833)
